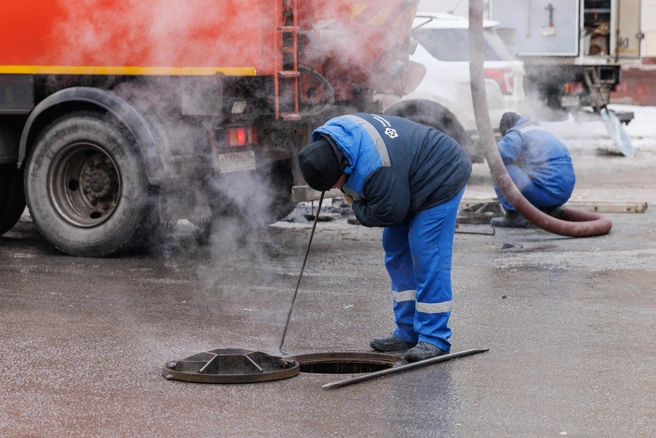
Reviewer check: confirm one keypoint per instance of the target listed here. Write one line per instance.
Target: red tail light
(574, 88)
(503, 77)
(240, 136)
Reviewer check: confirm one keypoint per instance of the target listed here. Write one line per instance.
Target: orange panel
(361, 30)
(138, 33)
(361, 41)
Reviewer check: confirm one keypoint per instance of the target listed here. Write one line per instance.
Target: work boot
(556, 211)
(423, 350)
(512, 219)
(390, 343)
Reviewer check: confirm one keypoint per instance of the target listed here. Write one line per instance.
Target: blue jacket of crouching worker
(396, 168)
(542, 157)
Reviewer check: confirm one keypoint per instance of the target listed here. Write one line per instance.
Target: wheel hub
(85, 185)
(99, 179)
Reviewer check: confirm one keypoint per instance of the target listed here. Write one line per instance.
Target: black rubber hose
(575, 223)
(319, 110)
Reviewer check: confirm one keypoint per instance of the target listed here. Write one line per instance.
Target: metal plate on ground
(230, 365)
(479, 213)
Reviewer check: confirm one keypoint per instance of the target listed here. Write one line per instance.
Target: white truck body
(572, 50)
(561, 28)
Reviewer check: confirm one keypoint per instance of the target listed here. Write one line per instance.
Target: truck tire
(12, 197)
(86, 186)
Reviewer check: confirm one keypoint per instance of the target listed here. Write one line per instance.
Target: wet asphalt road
(570, 324)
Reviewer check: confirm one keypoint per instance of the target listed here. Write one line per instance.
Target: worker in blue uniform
(540, 166)
(409, 179)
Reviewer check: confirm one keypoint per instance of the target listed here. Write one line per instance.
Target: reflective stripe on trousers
(421, 290)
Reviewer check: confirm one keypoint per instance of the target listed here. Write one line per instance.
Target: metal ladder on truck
(287, 59)
(596, 87)
(600, 91)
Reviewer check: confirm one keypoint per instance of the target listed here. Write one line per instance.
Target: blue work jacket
(542, 156)
(396, 168)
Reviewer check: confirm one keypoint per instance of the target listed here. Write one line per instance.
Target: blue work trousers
(533, 193)
(418, 260)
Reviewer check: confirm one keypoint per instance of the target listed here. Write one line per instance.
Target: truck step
(290, 117)
(289, 74)
(289, 28)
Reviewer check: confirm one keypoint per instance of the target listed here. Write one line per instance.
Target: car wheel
(437, 117)
(12, 197)
(86, 186)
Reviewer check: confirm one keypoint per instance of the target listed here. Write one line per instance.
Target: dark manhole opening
(342, 368)
(346, 362)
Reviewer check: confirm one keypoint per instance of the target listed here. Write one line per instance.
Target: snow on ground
(591, 132)
(602, 172)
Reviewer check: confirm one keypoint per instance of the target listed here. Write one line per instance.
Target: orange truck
(118, 116)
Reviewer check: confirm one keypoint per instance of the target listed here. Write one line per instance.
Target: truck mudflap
(624, 116)
(12, 197)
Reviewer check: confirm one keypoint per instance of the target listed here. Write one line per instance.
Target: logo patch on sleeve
(391, 133)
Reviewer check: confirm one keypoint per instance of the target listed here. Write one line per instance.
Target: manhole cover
(348, 362)
(230, 365)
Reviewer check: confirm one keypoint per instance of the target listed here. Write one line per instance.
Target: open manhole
(348, 362)
(230, 365)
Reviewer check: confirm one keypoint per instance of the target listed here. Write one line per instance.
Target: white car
(443, 99)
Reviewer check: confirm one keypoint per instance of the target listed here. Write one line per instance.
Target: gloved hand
(348, 200)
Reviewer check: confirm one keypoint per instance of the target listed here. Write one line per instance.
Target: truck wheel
(12, 198)
(86, 186)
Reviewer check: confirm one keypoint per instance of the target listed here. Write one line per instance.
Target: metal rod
(209, 362)
(300, 276)
(401, 368)
(254, 363)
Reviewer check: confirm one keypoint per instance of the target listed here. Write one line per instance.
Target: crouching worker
(540, 166)
(408, 179)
